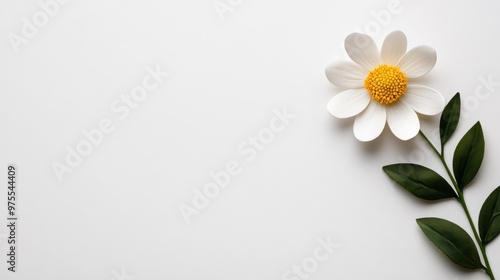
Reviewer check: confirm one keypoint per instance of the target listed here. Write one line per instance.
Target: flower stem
(461, 200)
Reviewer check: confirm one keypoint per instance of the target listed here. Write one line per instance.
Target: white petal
(424, 100)
(362, 49)
(402, 120)
(369, 124)
(394, 47)
(418, 61)
(346, 74)
(349, 103)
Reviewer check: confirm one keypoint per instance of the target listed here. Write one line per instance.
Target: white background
(116, 215)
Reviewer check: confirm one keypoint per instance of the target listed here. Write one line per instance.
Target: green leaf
(452, 241)
(449, 119)
(468, 156)
(421, 181)
(489, 217)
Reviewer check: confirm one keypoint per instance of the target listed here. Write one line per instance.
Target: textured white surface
(117, 214)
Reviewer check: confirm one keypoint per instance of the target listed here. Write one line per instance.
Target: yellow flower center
(386, 84)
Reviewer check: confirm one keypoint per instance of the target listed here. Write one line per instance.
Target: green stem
(461, 200)
(488, 270)
(443, 161)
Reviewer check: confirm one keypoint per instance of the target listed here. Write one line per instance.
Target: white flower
(380, 88)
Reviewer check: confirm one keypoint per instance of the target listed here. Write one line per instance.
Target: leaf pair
(467, 158)
(469, 153)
